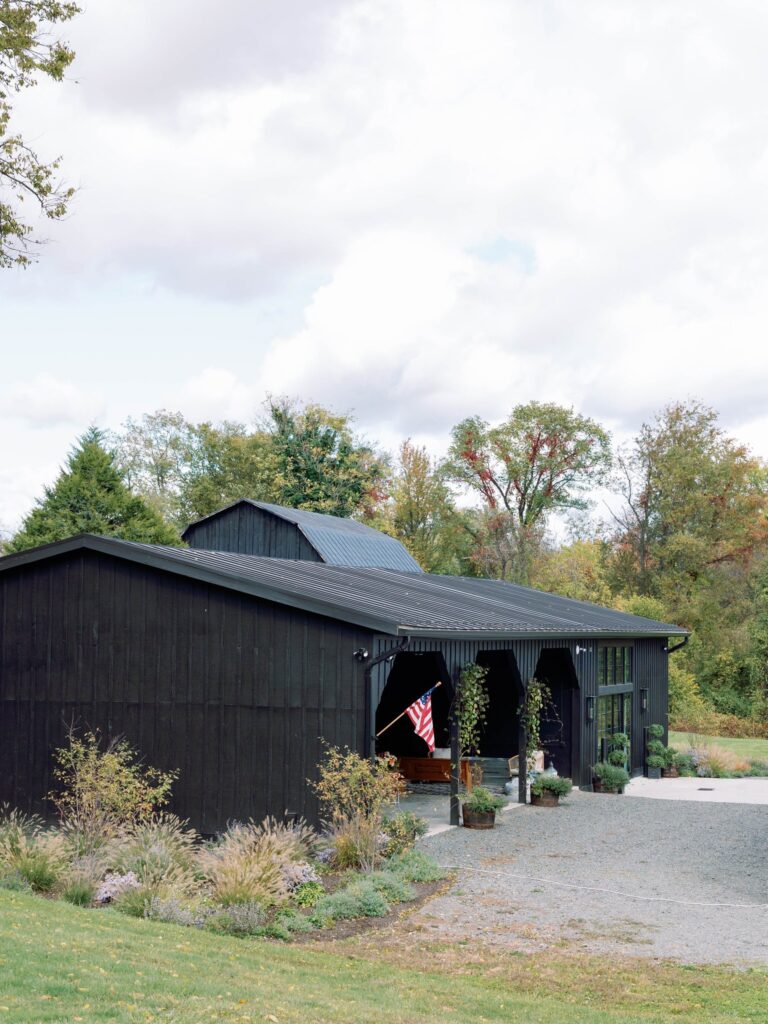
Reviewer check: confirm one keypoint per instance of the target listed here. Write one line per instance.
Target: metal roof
(384, 600)
(336, 540)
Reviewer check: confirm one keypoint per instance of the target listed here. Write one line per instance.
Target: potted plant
(547, 790)
(669, 769)
(608, 778)
(655, 752)
(479, 808)
(618, 749)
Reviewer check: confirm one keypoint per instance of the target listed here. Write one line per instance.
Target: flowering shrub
(115, 885)
(296, 874)
(174, 912)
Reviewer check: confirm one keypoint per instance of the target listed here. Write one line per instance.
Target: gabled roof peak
(335, 539)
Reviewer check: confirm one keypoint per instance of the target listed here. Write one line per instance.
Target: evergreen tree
(90, 496)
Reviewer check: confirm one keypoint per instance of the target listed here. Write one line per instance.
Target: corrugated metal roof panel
(339, 541)
(385, 600)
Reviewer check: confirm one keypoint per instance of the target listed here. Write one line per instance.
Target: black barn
(231, 666)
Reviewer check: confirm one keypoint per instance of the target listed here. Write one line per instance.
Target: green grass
(752, 749)
(60, 963)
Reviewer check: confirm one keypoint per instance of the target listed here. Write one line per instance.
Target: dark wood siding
(232, 691)
(247, 530)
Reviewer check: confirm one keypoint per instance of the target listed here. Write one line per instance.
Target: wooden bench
(430, 769)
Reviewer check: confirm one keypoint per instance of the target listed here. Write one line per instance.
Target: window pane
(601, 666)
(628, 665)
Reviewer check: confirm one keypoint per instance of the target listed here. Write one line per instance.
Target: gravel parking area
(659, 857)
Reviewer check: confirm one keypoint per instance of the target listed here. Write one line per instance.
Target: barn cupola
(272, 531)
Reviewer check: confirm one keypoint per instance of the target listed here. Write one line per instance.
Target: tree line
(683, 538)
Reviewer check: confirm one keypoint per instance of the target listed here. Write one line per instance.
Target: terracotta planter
(545, 799)
(477, 819)
(670, 773)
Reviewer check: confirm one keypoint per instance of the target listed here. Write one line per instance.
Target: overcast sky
(414, 211)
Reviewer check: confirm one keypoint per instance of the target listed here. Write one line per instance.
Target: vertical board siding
(247, 530)
(231, 691)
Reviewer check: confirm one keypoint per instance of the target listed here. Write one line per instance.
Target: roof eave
(433, 633)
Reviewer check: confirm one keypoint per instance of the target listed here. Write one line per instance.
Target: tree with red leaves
(541, 460)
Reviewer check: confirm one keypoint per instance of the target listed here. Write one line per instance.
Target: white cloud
(217, 394)
(486, 203)
(46, 401)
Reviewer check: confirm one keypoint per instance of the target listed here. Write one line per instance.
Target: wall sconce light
(361, 655)
(643, 699)
(590, 709)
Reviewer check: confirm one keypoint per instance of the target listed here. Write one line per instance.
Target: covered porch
(400, 673)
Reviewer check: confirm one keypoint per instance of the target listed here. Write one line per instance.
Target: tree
(90, 496)
(422, 515)
(541, 460)
(320, 464)
(691, 530)
(694, 500)
(299, 456)
(576, 570)
(26, 52)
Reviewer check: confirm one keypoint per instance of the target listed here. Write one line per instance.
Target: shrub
(238, 919)
(618, 749)
(482, 800)
(713, 723)
(293, 922)
(134, 902)
(14, 883)
(159, 852)
(370, 899)
(27, 849)
(79, 892)
(357, 842)
(416, 866)
(104, 788)
(685, 697)
(402, 831)
(171, 910)
(307, 894)
(245, 866)
(392, 886)
(353, 792)
(336, 906)
(554, 784)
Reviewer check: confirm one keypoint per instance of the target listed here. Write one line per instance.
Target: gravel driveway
(680, 851)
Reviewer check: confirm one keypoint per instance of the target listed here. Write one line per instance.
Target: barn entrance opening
(413, 673)
(499, 736)
(560, 723)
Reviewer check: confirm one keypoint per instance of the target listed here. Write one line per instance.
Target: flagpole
(438, 683)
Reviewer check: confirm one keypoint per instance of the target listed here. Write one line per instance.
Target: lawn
(751, 749)
(62, 964)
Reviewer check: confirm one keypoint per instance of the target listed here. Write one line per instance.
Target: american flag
(420, 713)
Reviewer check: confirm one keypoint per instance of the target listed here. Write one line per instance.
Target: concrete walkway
(719, 791)
(436, 809)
